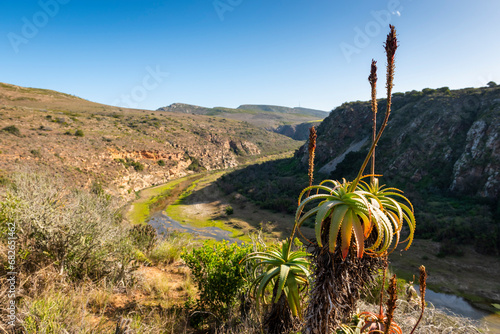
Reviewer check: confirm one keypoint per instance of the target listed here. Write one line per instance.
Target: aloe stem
(422, 285)
(391, 45)
(373, 83)
(311, 149)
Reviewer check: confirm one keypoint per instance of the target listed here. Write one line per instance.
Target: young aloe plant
(284, 269)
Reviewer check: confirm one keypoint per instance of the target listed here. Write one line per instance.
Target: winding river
(163, 224)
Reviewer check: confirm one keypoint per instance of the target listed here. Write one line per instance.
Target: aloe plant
(352, 219)
(360, 212)
(285, 268)
(287, 272)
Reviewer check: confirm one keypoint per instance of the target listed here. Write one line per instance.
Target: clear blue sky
(231, 52)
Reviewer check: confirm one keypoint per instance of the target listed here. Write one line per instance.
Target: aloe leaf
(308, 214)
(293, 297)
(284, 269)
(336, 221)
(346, 233)
(359, 235)
(265, 281)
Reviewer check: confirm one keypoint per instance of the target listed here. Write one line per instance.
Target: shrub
(76, 231)
(13, 130)
(79, 133)
(229, 210)
(143, 237)
(137, 166)
(445, 90)
(36, 153)
(195, 165)
(129, 162)
(218, 274)
(161, 162)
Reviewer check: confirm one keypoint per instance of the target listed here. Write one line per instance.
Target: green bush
(137, 166)
(12, 130)
(195, 165)
(445, 90)
(130, 162)
(372, 289)
(218, 274)
(161, 162)
(229, 210)
(36, 153)
(79, 133)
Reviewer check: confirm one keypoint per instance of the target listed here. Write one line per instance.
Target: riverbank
(154, 199)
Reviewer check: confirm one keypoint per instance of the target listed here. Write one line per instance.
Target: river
(452, 304)
(163, 224)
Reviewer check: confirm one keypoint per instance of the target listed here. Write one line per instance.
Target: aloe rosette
(357, 212)
(289, 267)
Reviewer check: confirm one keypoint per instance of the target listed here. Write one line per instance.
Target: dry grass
(168, 250)
(49, 304)
(433, 322)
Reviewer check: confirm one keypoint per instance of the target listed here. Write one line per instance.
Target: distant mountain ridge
(285, 110)
(283, 120)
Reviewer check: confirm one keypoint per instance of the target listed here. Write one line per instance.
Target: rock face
(296, 131)
(436, 140)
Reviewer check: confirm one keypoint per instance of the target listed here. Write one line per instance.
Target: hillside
(441, 147)
(297, 131)
(122, 150)
(436, 140)
(267, 117)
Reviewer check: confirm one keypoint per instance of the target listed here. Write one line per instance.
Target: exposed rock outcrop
(436, 139)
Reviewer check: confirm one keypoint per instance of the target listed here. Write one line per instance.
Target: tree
(356, 225)
(492, 84)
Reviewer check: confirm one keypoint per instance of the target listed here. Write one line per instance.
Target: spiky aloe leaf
(288, 267)
(335, 225)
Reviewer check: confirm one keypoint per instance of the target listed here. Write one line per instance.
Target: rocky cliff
(436, 140)
(296, 131)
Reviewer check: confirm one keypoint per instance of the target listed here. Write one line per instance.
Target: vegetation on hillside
(125, 150)
(268, 117)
